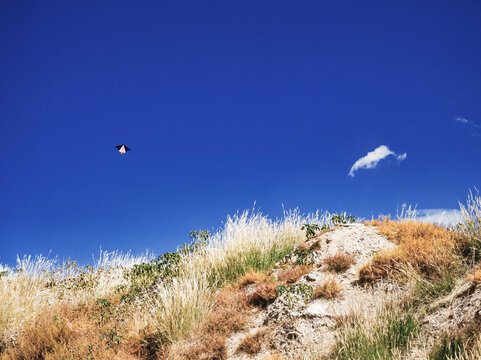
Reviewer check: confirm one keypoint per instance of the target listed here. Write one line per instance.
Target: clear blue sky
(227, 103)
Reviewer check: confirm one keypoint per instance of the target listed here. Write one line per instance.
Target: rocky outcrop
(295, 318)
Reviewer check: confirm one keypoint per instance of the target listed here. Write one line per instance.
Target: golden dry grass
(330, 289)
(263, 294)
(475, 276)
(71, 331)
(427, 249)
(229, 315)
(252, 277)
(252, 343)
(339, 262)
(291, 275)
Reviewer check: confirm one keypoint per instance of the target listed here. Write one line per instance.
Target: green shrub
(304, 256)
(311, 229)
(166, 266)
(342, 219)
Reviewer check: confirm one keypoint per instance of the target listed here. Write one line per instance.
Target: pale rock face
(297, 321)
(317, 309)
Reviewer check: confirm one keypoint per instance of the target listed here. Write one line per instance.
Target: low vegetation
(427, 249)
(339, 262)
(385, 335)
(330, 289)
(186, 304)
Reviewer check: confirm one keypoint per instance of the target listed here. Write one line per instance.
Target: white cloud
(372, 158)
(468, 123)
(445, 217)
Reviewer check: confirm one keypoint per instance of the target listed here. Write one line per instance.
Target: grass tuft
(339, 262)
(330, 289)
(252, 344)
(291, 275)
(380, 338)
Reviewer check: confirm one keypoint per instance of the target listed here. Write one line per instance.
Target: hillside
(260, 289)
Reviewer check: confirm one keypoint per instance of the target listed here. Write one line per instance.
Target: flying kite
(122, 149)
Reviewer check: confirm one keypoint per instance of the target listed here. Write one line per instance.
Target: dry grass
(475, 276)
(428, 249)
(263, 294)
(252, 277)
(228, 315)
(273, 357)
(339, 262)
(172, 310)
(330, 289)
(291, 275)
(68, 331)
(252, 344)
(176, 308)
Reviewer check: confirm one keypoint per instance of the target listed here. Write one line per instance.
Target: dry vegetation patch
(475, 276)
(252, 277)
(229, 315)
(291, 275)
(252, 344)
(428, 249)
(67, 331)
(339, 262)
(330, 289)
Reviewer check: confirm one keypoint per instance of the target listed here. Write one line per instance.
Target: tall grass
(36, 284)
(381, 337)
(171, 309)
(471, 225)
(248, 241)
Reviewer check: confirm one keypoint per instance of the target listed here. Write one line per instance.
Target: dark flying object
(122, 149)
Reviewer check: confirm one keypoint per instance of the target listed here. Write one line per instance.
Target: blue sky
(227, 103)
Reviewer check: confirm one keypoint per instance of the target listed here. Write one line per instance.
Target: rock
(295, 314)
(317, 310)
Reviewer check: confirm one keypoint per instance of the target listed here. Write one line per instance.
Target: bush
(311, 229)
(343, 219)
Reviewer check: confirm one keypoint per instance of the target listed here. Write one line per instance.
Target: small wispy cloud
(467, 122)
(372, 158)
(445, 217)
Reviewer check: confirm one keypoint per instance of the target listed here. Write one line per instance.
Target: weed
(304, 256)
(311, 229)
(304, 290)
(338, 219)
